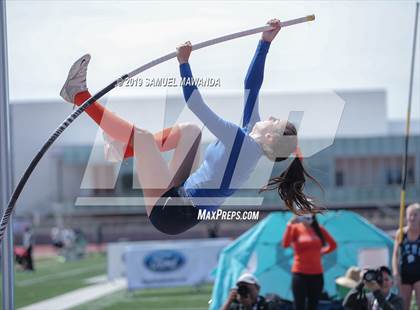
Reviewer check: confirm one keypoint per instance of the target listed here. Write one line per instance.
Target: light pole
(7, 268)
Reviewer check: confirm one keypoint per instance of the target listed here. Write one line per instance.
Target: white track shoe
(76, 79)
(76, 83)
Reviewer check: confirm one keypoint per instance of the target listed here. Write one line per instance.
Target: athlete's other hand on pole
(269, 35)
(183, 52)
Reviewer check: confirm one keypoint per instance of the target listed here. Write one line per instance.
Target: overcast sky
(351, 45)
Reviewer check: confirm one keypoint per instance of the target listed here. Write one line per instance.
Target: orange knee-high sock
(123, 131)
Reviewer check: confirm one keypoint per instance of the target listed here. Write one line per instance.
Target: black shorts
(174, 219)
(409, 278)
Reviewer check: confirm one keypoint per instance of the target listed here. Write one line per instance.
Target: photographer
(378, 283)
(245, 295)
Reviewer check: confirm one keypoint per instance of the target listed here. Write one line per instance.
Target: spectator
(309, 241)
(20, 256)
(213, 230)
(406, 258)
(56, 237)
(348, 281)
(379, 296)
(28, 243)
(246, 295)
(99, 237)
(79, 244)
(68, 236)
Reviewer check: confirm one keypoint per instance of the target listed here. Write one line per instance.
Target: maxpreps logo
(164, 260)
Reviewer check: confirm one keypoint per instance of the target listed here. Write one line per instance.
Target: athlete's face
(413, 218)
(270, 125)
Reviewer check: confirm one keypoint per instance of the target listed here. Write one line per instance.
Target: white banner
(174, 263)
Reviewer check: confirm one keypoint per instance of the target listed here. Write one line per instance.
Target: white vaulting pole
(220, 40)
(7, 267)
(70, 119)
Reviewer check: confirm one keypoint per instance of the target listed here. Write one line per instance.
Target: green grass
(181, 298)
(53, 278)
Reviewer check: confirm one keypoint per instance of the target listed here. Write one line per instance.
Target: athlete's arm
(252, 85)
(222, 129)
(396, 258)
(255, 76)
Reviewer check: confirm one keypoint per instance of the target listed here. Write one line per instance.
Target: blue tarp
(259, 249)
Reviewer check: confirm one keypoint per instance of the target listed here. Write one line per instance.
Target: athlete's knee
(142, 136)
(190, 129)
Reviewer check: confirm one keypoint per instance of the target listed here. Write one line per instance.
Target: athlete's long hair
(290, 183)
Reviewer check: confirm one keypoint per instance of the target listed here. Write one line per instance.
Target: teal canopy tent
(259, 251)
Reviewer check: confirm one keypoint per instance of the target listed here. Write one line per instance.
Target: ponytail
(290, 186)
(317, 229)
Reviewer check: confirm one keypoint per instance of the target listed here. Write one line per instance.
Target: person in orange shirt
(309, 241)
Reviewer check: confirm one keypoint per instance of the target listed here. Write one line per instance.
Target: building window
(410, 175)
(339, 179)
(372, 171)
(393, 176)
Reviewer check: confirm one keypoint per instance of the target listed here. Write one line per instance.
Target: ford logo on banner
(164, 260)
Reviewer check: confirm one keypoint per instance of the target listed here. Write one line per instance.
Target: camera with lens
(243, 290)
(373, 275)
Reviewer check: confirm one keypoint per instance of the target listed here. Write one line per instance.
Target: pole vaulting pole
(98, 95)
(407, 129)
(220, 40)
(7, 268)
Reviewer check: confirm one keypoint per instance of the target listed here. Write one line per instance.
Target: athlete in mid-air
(174, 193)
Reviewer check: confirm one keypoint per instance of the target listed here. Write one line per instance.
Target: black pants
(29, 262)
(306, 290)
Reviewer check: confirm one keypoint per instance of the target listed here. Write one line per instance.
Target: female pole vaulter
(175, 193)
